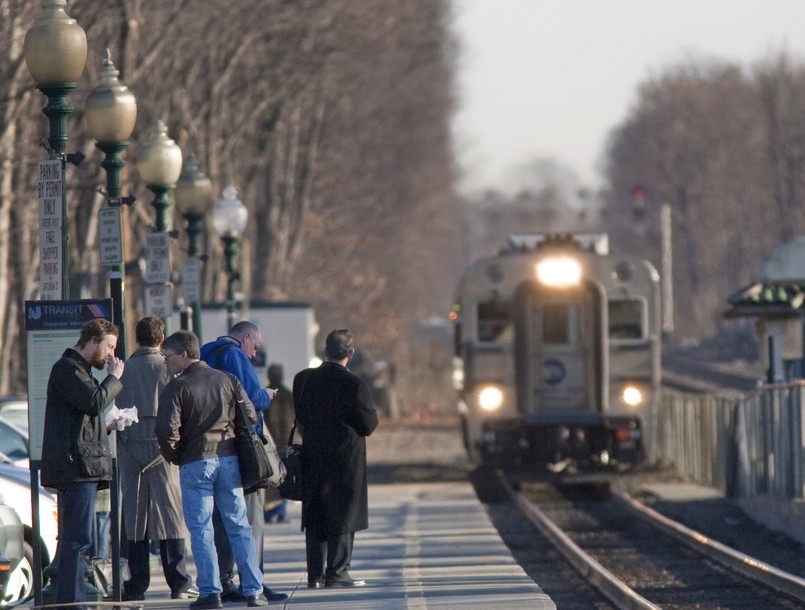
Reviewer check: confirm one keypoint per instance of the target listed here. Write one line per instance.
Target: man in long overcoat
(335, 413)
(152, 498)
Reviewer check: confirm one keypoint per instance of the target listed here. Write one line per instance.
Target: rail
(745, 447)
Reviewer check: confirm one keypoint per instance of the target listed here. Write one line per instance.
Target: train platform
(428, 545)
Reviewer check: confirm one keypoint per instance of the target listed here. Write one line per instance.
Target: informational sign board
(191, 280)
(50, 223)
(110, 238)
(159, 300)
(50, 264)
(52, 327)
(157, 258)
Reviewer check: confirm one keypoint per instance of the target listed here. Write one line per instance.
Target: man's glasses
(168, 356)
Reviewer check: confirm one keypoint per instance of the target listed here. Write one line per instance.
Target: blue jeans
(76, 504)
(216, 481)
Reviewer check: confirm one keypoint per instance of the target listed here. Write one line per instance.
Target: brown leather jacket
(196, 415)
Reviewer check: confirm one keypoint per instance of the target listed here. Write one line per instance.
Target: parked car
(15, 410)
(15, 488)
(14, 443)
(12, 554)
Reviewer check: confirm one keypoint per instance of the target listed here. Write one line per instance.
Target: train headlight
(632, 396)
(559, 272)
(490, 398)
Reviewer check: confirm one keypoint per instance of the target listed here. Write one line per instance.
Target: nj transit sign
(52, 327)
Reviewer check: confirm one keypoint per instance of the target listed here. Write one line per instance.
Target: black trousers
(337, 549)
(171, 552)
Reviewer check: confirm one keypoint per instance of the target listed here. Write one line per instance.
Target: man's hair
(275, 372)
(96, 329)
(182, 341)
(338, 344)
(244, 327)
(150, 331)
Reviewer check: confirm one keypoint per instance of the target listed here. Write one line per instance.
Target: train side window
(495, 323)
(627, 319)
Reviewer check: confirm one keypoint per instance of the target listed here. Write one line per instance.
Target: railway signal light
(638, 203)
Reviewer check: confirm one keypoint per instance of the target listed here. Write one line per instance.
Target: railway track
(635, 558)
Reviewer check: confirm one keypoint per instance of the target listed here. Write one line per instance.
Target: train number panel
(557, 357)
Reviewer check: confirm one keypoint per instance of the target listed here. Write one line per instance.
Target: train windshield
(627, 319)
(495, 322)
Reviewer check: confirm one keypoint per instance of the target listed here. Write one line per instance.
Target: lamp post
(111, 112)
(193, 199)
(55, 51)
(229, 218)
(159, 161)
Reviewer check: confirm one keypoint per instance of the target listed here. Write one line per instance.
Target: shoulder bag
(258, 458)
(291, 487)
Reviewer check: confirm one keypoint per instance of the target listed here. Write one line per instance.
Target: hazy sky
(552, 78)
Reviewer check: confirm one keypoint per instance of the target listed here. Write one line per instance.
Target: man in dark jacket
(75, 450)
(196, 430)
(335, 414)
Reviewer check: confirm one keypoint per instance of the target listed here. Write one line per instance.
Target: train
(557, 355)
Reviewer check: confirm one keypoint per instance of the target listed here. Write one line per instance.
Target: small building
(776, 301)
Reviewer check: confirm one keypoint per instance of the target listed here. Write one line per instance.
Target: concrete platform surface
(682, 492)
(428, 546)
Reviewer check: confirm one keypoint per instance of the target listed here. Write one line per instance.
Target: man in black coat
(76, 460)
(335, 415)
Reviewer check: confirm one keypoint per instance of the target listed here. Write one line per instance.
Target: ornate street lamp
(111, 112)
(229, 218)
(159, 161)
(55, 51)
(193, 199)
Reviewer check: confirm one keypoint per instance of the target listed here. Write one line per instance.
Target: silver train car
(557, 355)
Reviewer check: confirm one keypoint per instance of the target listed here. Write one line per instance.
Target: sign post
(51, 327)
(159, 290)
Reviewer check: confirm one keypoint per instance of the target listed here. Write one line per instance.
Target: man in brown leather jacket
(196, 430)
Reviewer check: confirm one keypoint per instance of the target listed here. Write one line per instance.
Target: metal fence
(745, 447)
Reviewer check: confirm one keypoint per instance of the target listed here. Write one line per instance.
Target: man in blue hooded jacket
(233, 353)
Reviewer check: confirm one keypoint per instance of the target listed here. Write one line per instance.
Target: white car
(15, 488)
(14, 443)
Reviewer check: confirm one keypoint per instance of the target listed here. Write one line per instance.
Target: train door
(558, 347)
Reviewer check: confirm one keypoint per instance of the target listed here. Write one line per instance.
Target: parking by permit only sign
(50, 223)
(52, 327)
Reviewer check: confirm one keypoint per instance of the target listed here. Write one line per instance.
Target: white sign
(110, 238)
(50, 222)
(157, 258)
(159, 300)
(191, 280)
(50, 193)
(50, 264)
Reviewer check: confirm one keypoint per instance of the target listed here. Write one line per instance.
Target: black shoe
(274, 596)
(315, 583)
(190, 593)
(344, 582)
(232, 595)
(132, 597)
(208, 602)
(255, 601)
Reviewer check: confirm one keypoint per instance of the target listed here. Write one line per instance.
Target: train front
(557, 357)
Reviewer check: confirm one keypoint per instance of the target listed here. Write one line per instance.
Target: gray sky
(551, 78)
